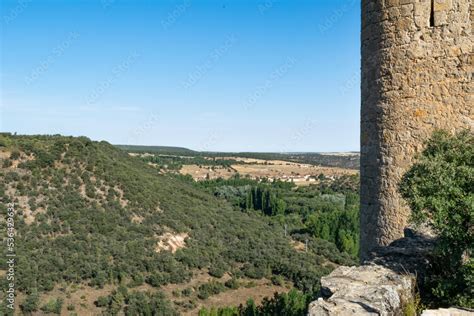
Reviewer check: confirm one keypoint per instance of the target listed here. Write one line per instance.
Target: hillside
(93, 221)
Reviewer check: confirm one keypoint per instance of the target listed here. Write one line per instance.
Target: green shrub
(15, 155)
(439, 188)
(7, 163)
(30, 304)
(186, 305)
(176, 293)
(102, 301)
(217, 270)
(156, 279)
(139, 303)
(187, 292)
(53, 306)
(255, 271)
(222, 311)
(209, 289)
(278, 280)
(232, 284)
(137, 280)
(293, 303)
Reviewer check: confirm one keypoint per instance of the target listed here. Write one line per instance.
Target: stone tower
(417, 65)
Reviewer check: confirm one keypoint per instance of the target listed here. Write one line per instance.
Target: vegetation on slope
(328, 210)
(293, 303)
(90, 214)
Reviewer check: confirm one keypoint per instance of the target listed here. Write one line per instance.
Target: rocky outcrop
(364, 290)
(410, 254)
(385, 282)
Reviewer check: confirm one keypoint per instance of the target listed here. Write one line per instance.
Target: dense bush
(222, 311)
(30, 304)
(218, 269)
(293, 303)
(135, 303)
(211, 288)
(440, 191)
(232, 283)
(102, 301)
(329, 210)
(148, 304)
(15, 155)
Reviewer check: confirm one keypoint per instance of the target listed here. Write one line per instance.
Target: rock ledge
(364, 290)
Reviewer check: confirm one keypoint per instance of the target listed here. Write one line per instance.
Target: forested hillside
(91, 218)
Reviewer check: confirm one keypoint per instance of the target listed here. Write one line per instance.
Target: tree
(116, 303)
(137, 304)
(439, 188)
(250, 308)
(279, 207)
(293, 303)
(102, 301)
(30, 304)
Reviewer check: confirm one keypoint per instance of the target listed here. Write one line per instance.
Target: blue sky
(262, 75)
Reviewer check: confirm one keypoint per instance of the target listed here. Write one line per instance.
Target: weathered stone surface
(416, 77)
(384, 283)
(411, 254)
(364, 290)
(447, 312)
(337, 307)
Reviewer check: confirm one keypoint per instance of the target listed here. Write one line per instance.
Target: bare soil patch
(171, 242)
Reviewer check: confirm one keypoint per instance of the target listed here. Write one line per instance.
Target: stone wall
(417, 65)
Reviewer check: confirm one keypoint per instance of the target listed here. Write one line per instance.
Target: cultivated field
(299, 173)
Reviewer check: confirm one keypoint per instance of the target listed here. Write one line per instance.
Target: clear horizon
(260, 76)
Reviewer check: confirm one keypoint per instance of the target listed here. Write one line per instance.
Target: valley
(303, 169)
(102, 230)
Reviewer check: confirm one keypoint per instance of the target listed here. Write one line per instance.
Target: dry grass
(298, 245)
(258, 291)
(263, 288)
(5, 154)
